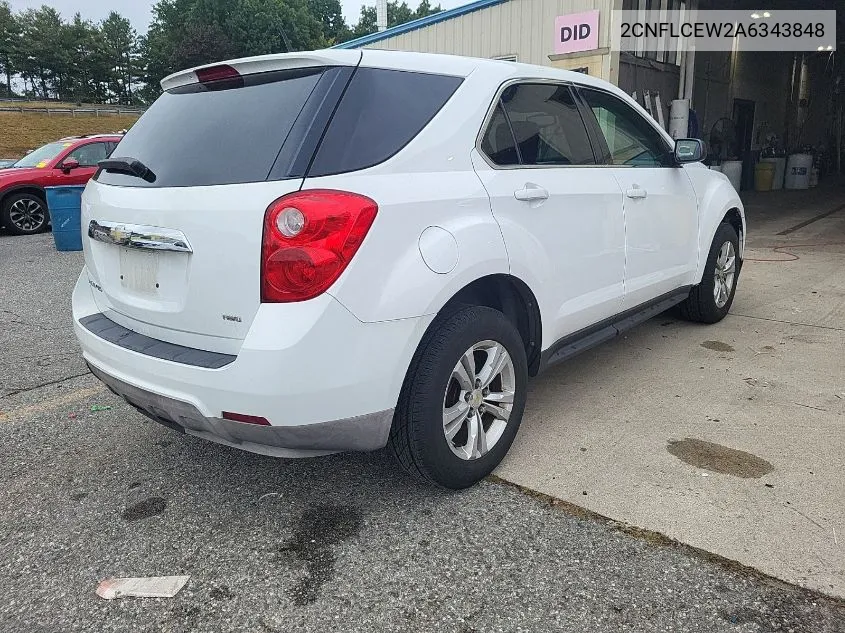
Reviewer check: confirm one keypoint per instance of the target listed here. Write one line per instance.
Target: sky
(138, 11)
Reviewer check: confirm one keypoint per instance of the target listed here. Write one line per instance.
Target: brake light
(223, 72)
(309, 239)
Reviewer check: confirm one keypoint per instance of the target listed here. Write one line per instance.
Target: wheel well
(515, 300)
(36, 191)
(734, 218)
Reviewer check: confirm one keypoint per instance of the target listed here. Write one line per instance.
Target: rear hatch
(173, 225)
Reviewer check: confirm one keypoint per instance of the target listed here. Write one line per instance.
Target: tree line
(43, 56)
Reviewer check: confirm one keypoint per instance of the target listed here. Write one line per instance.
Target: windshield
(42, 156)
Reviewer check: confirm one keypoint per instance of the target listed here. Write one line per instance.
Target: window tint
(498, 143)
(195, 136)
(546, 124)
(89, 155)
(630, 139)
(381, 111)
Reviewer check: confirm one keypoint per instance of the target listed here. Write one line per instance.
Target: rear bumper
(362, 433)
(326, 381)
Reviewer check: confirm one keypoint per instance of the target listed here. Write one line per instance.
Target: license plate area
(141, 282)
(139, 271)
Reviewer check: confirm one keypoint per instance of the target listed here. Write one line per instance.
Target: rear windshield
(193, 136)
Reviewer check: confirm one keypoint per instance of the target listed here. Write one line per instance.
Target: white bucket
(798, 171)
(733, 170)
(679, 118)
(780, 170)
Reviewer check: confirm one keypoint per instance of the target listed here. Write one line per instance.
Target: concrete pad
(768, 380)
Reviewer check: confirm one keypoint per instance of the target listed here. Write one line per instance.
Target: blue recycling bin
(65, 205)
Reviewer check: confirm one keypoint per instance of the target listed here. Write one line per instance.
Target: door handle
(636, 192)
(531, 193)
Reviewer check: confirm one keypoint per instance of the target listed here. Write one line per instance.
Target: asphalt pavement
(338, 543)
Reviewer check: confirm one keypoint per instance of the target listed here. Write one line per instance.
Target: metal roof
(420, 23)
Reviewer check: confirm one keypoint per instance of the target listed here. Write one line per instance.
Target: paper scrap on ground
(152, 587)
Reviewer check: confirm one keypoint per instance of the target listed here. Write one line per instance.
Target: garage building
(744, 104)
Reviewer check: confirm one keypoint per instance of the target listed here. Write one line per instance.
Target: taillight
(309, 239)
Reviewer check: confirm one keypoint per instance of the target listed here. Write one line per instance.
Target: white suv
(308, 253)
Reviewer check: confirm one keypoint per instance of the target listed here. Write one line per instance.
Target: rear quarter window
(380, 113)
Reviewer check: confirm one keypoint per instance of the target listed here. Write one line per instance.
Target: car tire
(24, 214)
(721, 272)
(437, 389)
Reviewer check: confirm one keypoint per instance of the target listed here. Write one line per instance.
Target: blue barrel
(65, 205)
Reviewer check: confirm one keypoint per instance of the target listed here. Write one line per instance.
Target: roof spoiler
(265, 63)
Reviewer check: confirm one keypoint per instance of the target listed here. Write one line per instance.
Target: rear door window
(547, 125)
(380, 113)
(193, 136)
(537, 124)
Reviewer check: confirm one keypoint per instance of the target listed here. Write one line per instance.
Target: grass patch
(22, 132)
(65, 105)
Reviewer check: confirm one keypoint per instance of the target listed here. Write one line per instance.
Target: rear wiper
(129, 166)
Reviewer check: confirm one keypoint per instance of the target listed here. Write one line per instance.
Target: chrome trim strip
(139, 236)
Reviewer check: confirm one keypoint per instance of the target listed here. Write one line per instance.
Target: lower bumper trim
(100, 325)
(360, 433)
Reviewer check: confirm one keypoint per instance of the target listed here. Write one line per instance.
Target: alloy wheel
(27, 215)
(479, 400)
(725, 274)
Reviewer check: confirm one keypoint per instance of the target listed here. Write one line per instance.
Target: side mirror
(68, 164)
(689, 150)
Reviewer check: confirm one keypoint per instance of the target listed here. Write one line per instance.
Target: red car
(69, 161)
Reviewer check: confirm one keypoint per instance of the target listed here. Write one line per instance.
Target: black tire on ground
(27, 199)
(701, 305)
(417, 436)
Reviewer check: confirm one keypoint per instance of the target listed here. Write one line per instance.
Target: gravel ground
(332, 544)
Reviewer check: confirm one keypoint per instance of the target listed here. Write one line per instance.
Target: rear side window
(545, 124)
(194, 136)
(380, 113)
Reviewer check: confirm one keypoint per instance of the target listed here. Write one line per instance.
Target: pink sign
(577, 32)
